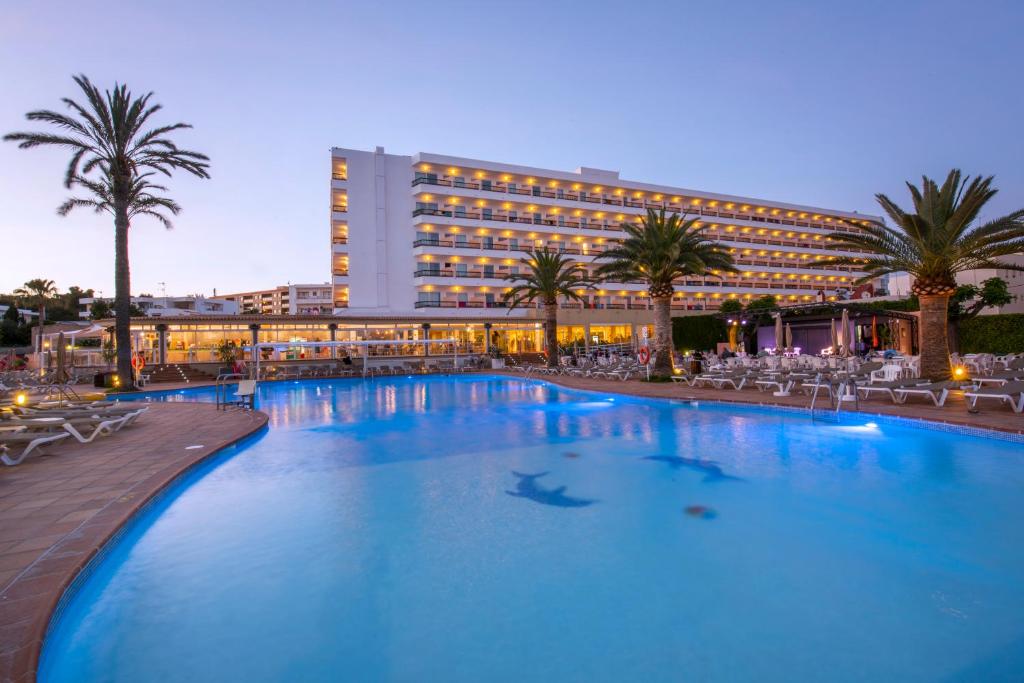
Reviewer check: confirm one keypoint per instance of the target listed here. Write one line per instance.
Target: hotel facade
(433, 235)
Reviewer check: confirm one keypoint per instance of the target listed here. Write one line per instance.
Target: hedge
(993, 334)
(698, 332)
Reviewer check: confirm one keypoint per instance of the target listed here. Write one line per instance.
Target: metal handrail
(221, 387)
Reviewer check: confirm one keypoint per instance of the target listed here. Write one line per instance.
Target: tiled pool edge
(108, 526)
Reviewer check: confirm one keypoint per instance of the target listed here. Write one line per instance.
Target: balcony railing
(339, 176)
(340, 208)
(339, 240)
(591, 198)
(499, 246)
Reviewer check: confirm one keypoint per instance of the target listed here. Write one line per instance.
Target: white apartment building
(168, 306)
(286, 300)
(430, 234)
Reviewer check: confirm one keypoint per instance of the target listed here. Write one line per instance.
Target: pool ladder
(222, 387)
(848, 386)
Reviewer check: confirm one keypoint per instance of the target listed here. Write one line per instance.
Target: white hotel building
(433, 235)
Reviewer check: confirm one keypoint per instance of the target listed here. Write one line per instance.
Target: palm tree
(38, 291)
(549, 275)
(657, 251)
(938, 240)
(113, 158)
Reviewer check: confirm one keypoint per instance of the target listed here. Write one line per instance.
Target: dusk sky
(822, 103)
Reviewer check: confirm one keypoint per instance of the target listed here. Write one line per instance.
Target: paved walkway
(991, 415)
(57, 510)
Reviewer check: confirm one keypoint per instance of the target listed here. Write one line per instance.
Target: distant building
(26, 313)
(286, 300)
(168, 306)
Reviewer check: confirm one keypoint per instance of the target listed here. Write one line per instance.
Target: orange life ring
(138, 361)
(644, 355)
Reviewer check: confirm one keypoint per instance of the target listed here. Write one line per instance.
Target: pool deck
(57, 510)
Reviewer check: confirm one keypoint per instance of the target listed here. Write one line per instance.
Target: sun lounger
(1011, 392)
(938, 392)
(887, 388)
(24, 443)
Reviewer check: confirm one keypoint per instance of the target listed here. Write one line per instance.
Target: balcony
(498, 246)
(339, 239)
(603, 200)
(339, 208)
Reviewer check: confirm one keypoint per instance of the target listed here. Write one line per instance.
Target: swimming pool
(497, 529)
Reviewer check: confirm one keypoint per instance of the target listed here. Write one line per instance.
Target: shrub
(697, 332)
(993, 334)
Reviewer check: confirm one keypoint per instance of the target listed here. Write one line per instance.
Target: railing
(339, 240)
(583, 196)
(340, 208)
(499, 246)
(339, 176)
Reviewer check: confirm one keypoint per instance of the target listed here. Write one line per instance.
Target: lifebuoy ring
(644, 355)
(138, 362)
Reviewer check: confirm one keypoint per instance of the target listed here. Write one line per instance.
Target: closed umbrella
(847, 338)
(874, 332)
(832, 333)
(779, 340)
(789, 337)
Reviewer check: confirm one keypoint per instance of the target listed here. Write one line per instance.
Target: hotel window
(536, 190)
(485, 184)
(460, 240)
(513, 244)
(426, 206)
(428, 237)
(463, 299)
(460, 211)
(430, 178)
(430, 297)
(488, 271)
(513, 216)
(461, 269)
(459, 181)
(488, 214)
(489, 300)
(488, 242)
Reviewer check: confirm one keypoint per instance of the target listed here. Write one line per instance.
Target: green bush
(698, 332)
(993, 334)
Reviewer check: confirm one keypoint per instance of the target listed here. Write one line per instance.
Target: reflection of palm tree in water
(528, 488)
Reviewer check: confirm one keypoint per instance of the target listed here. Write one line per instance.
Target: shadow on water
(528, 488)
(710, 470)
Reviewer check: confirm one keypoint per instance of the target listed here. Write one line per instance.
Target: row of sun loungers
(24, 430)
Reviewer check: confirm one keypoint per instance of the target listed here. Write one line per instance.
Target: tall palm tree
(939, 239)
(38, 291)
(113, 157)
(549, 275)
(658, 250)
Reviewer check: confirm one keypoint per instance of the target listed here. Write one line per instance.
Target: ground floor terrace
(200, 340)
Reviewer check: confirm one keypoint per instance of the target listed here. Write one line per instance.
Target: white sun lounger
(29, 441)
(1011, 392)
(938, 392)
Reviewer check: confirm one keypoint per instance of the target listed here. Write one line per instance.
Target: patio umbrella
(779, 338)
(789, 337)
(832, 333)
(847, 338)
(874, 332)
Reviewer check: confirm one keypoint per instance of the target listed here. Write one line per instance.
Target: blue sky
(821, 103)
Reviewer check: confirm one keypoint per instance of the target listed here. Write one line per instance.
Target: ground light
(21, 399)
(959, 372)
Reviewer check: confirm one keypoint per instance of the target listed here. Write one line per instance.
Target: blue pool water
(494, 529)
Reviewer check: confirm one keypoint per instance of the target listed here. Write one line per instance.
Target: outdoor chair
(16, 445)
(938, 392)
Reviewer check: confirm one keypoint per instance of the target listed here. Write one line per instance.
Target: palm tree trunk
(934, 338)
(39, 338)
(662, 336)
(551, 333)
(122, 297)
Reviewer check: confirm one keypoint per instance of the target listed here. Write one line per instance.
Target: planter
(497, 363)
